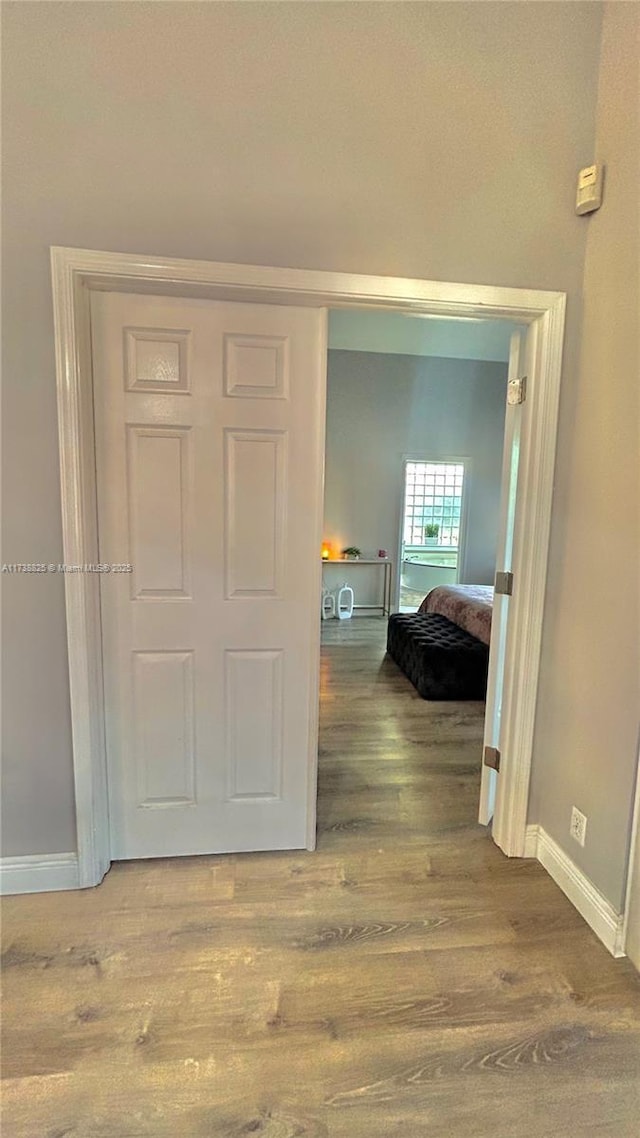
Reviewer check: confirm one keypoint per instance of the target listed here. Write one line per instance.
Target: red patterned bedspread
(468, 606)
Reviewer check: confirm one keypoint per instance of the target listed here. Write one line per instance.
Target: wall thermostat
(589, 195)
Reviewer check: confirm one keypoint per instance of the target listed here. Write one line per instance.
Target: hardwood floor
(404, 980)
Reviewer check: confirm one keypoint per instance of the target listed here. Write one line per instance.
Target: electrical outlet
(578, 826)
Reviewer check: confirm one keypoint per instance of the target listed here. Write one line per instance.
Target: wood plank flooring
(404, 980)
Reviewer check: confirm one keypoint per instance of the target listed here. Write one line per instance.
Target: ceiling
(395, 333)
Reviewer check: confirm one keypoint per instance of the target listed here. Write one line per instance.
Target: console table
(382, 562)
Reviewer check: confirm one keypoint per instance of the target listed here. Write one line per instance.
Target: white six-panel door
(209, 420)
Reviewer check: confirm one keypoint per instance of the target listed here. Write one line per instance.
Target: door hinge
(491, 758)
(504, 584)
(516, 391)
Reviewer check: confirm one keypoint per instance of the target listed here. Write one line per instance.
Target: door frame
(631, 922)
(75, 272)
(426, 456)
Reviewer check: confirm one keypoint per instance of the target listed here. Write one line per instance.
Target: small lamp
(326, 550)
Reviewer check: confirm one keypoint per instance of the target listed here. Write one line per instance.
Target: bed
(468, 606)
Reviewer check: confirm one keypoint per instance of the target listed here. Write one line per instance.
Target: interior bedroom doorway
(77, 274)
(424, 422)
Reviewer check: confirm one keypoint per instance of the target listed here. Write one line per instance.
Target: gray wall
(332, 136)
(587, 723)
(381, 408)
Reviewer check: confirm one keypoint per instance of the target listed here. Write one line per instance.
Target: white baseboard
(599, 914)
(38, 873)
(531, 841)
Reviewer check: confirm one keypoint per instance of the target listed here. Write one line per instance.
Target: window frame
(429, 456)
(455, 517)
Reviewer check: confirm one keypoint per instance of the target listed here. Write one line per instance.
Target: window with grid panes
(433, 496)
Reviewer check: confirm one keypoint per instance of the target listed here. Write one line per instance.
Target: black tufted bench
(441, 660)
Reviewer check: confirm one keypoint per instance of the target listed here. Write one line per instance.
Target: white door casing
(76, 273)
(208, 455)
(504, 562)
(631, 931)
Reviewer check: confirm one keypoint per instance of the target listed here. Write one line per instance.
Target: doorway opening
(78, 272)
(417, 470)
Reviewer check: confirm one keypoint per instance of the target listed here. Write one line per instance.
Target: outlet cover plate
(578, 826)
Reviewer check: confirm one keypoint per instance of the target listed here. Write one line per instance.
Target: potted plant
(431, 532)
(351, 553)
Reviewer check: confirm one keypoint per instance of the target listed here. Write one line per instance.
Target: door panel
(255, 509)
(159, 499)
(209, 447)
(254, 742)
(163, 723)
